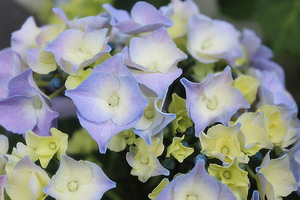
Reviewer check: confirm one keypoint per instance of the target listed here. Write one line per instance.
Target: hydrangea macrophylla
(76, 180)
(154, 57)
(248, 85)
(283, 125)
(3, 145)
(74, 49)
(26, 181)
(177, 12)
(108, 101)
(153, 119)
(38, 59)
(233, 176)
(211, 40)
(18, 153)
(46, 147)
(25, 38)
(196, 185)
(272, 90)
(11, 65)
(85, 23)
(26, 107)
(179, 151)
(255, 128)
(224, 143)
(253, 47)
(182, 122)
(2, 182)
(294, 159)
(280, 185)
(153, 195)
(143, 158)
(119, 142)
(213, 100)
(143, 17)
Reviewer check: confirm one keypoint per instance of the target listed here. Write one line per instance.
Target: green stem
(42, 83)
(252, 174)
(57, 92)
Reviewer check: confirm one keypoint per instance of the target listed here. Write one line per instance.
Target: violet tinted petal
(17, 114)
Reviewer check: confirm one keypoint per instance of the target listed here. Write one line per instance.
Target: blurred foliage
(239, 9)
(278, 19)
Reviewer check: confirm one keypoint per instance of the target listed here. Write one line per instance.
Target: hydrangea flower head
(211, 40)
(196, 185)
(143, 17)
(76, 180)
(154, 57)
(75, 49)
(27, 107)
(108, 101)
(213, 100)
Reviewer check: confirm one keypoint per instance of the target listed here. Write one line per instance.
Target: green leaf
(280, 22)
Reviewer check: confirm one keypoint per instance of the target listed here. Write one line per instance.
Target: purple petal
(119, 68)
(196, 183)
(145, 13)
(144, 18)
(91, 96)
(2, 183)
(157, 82)
(17, 114)
(24, 38)
(103, 132)
(227, 99)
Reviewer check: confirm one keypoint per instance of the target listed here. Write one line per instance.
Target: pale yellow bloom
(224, 143)
(275, 179)
(158, 189)
(26, 181)
(234, 177)
(179, 151)
(46, 147)
(248, 86)
(255, 128)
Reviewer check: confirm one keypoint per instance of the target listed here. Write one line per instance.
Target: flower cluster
(182, 95)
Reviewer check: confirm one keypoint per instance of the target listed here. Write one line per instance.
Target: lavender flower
(26, 107)
(143, 17)
(108, 101)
